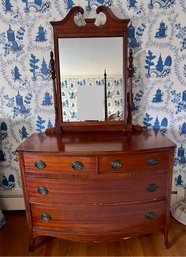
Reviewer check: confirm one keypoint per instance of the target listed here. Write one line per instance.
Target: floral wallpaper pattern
(157, 35)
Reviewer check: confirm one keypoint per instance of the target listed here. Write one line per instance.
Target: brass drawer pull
(116, 164)
(77, 165)
(153, 161)
(45, 217)
(150, 215)
(42, 190)
(40, 164)
(151, 187)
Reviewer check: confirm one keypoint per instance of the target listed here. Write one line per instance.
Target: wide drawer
(134, 162)
(96, 191)
(99, 218)
(48, 164)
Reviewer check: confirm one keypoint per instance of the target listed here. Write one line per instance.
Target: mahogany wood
(99, 220)
(146, 245)
(130, 162)
(67, 28)
(59, 163)
(90, 142)
(130, 76)
(97, 203)
(97, 190)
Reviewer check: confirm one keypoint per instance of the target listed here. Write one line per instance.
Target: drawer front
(101, 218)
(96, 191)
(50, 164)
(134, 162)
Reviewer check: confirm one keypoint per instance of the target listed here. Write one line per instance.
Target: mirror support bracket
(129, 98)
(131, 127)
(56, 128)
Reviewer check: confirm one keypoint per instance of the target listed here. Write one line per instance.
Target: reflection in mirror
(90, 108)
(83, 62)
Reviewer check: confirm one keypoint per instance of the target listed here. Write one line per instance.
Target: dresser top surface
(102, 142)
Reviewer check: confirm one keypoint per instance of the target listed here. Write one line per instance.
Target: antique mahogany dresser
(96, 180)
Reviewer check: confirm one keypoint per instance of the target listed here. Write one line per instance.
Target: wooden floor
(14, 238)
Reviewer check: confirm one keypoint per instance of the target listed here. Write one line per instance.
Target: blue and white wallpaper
(157, 34)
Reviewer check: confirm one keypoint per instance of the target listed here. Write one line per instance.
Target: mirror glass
(83, 62)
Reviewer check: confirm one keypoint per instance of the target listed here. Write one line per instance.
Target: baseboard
(11, 201)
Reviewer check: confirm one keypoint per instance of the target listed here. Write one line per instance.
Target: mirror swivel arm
(130, 127)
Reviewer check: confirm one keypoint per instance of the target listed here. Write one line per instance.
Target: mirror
(84, 62)
(89, 73)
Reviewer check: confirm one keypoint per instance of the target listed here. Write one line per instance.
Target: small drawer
(49, 164)
(93, 191)
(100, 218)
(134, 162)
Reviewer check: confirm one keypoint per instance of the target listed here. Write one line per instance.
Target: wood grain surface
(14, 242)
(107, 198)
(95, 191)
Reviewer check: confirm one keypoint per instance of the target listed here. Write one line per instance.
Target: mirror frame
(114, 27)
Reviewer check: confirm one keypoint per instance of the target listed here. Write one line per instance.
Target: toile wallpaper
(157, 35)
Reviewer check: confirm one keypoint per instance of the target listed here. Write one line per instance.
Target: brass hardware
(40, 164)
(77, 165)
(42, 190)
(153, 161)
(150, 215)
(45, 217)
(152, 187)
(116, 164)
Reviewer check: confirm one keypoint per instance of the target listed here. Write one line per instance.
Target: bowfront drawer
(49, 164)
(99, 218)
(96, 191)
(134, 162)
